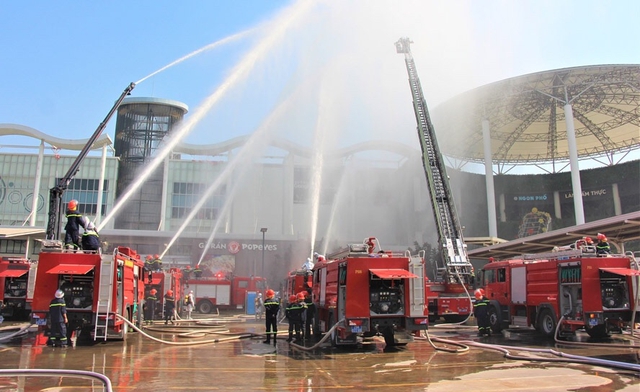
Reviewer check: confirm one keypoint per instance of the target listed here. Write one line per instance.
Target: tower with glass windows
(142, 124)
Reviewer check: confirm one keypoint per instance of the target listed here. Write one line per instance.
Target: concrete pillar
(575, 169)
(36, 187)
(163, 200)
(617, 207)
(103, 169)
(488, 177)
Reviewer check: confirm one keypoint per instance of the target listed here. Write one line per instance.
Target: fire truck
(17, 279)
(96, 287)
(164, 281)
(297, 281)
(369, 294)
(224, 292)
(448, 295)
(576, 286)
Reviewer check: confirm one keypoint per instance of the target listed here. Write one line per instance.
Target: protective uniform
(481, 311)
(295, 313)
(169, 307)
(189, 302)
(90, 239)
(271, 306)
(259, 305)
(157, 263)
(310, 315)
(58, 318)
(197, 272)
(602, 248)
(72, 229)
(150, 306)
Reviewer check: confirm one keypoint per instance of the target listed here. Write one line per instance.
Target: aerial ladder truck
(448, 296)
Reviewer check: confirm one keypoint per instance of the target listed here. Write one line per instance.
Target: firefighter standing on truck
(481, 311)
(59, 321)
(72, 228)
(602, 247)
(271, 306)
(91, 239)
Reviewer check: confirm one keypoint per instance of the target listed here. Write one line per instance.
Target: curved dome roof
(527, 120)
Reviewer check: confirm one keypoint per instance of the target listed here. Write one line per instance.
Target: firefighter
(169, 307)
(271, 306)
(186, 272)
(310, 314)
(308, 265)
(150, 306)
(148, 263)
(290, 304)
(157, 263)
(91, 239)
(296, 310)
(59, 321)
(197, 272)
(259, 305)
(602, 247)
(481, 311)
(189, 303)
(72, 228)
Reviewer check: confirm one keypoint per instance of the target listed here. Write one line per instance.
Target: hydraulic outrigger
(455, 267)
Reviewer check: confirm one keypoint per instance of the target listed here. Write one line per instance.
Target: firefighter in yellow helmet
(72, 229)
(271, 307)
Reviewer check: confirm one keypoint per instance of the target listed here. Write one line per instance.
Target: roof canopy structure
(618, 229)
(527, 120)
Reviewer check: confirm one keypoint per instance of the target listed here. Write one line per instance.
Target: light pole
(263, 230)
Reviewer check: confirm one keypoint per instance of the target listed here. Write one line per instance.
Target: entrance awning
(392, 273)
(622, 271)
(13, 273)
(73, 269)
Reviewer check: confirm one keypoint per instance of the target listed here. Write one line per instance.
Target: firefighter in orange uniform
(481, 311)
(271, 306)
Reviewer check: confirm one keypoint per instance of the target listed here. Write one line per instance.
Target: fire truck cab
(96, 287)
(583, 290)
(367, 294)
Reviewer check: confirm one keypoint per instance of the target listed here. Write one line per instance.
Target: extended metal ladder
(105, 293)
(456, 267)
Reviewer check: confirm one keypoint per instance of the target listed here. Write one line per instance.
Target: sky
(64, 63)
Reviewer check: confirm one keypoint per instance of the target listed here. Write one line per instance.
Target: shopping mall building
(268, 213)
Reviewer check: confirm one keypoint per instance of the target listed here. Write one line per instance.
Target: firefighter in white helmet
(59, 321)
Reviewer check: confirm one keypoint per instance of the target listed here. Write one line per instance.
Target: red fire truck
(587, 292)
(297, 281)
(96, 287)
(17, 279)
(368, 293)
(225, 292)
(164, 281)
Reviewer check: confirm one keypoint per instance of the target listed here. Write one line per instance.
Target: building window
(86, 192)
(13, 247)
(187, 195)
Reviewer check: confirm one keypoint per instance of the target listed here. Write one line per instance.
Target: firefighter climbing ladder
(105, 291)
(456, 267)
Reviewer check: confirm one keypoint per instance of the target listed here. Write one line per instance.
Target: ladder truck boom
(456, 267)
(55, 193)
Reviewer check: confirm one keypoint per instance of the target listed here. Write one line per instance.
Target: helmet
(169, 292)
(59, 293)
(300, 296)
(602, 237)
(321, 258)
(188, 267)
(153, 292)
(149, 257)
(190, 291)
(292, 298)
(588, 240)
(156, 256)
(259, 294)
(270, 293)
(479, 293)
(73, 205)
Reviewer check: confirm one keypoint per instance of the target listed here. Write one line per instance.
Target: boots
(274, 341)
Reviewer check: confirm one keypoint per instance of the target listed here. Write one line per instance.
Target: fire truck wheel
(547, 323)
(495, 319)
(205, 307)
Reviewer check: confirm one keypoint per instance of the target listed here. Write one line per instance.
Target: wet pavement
(240, 361)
